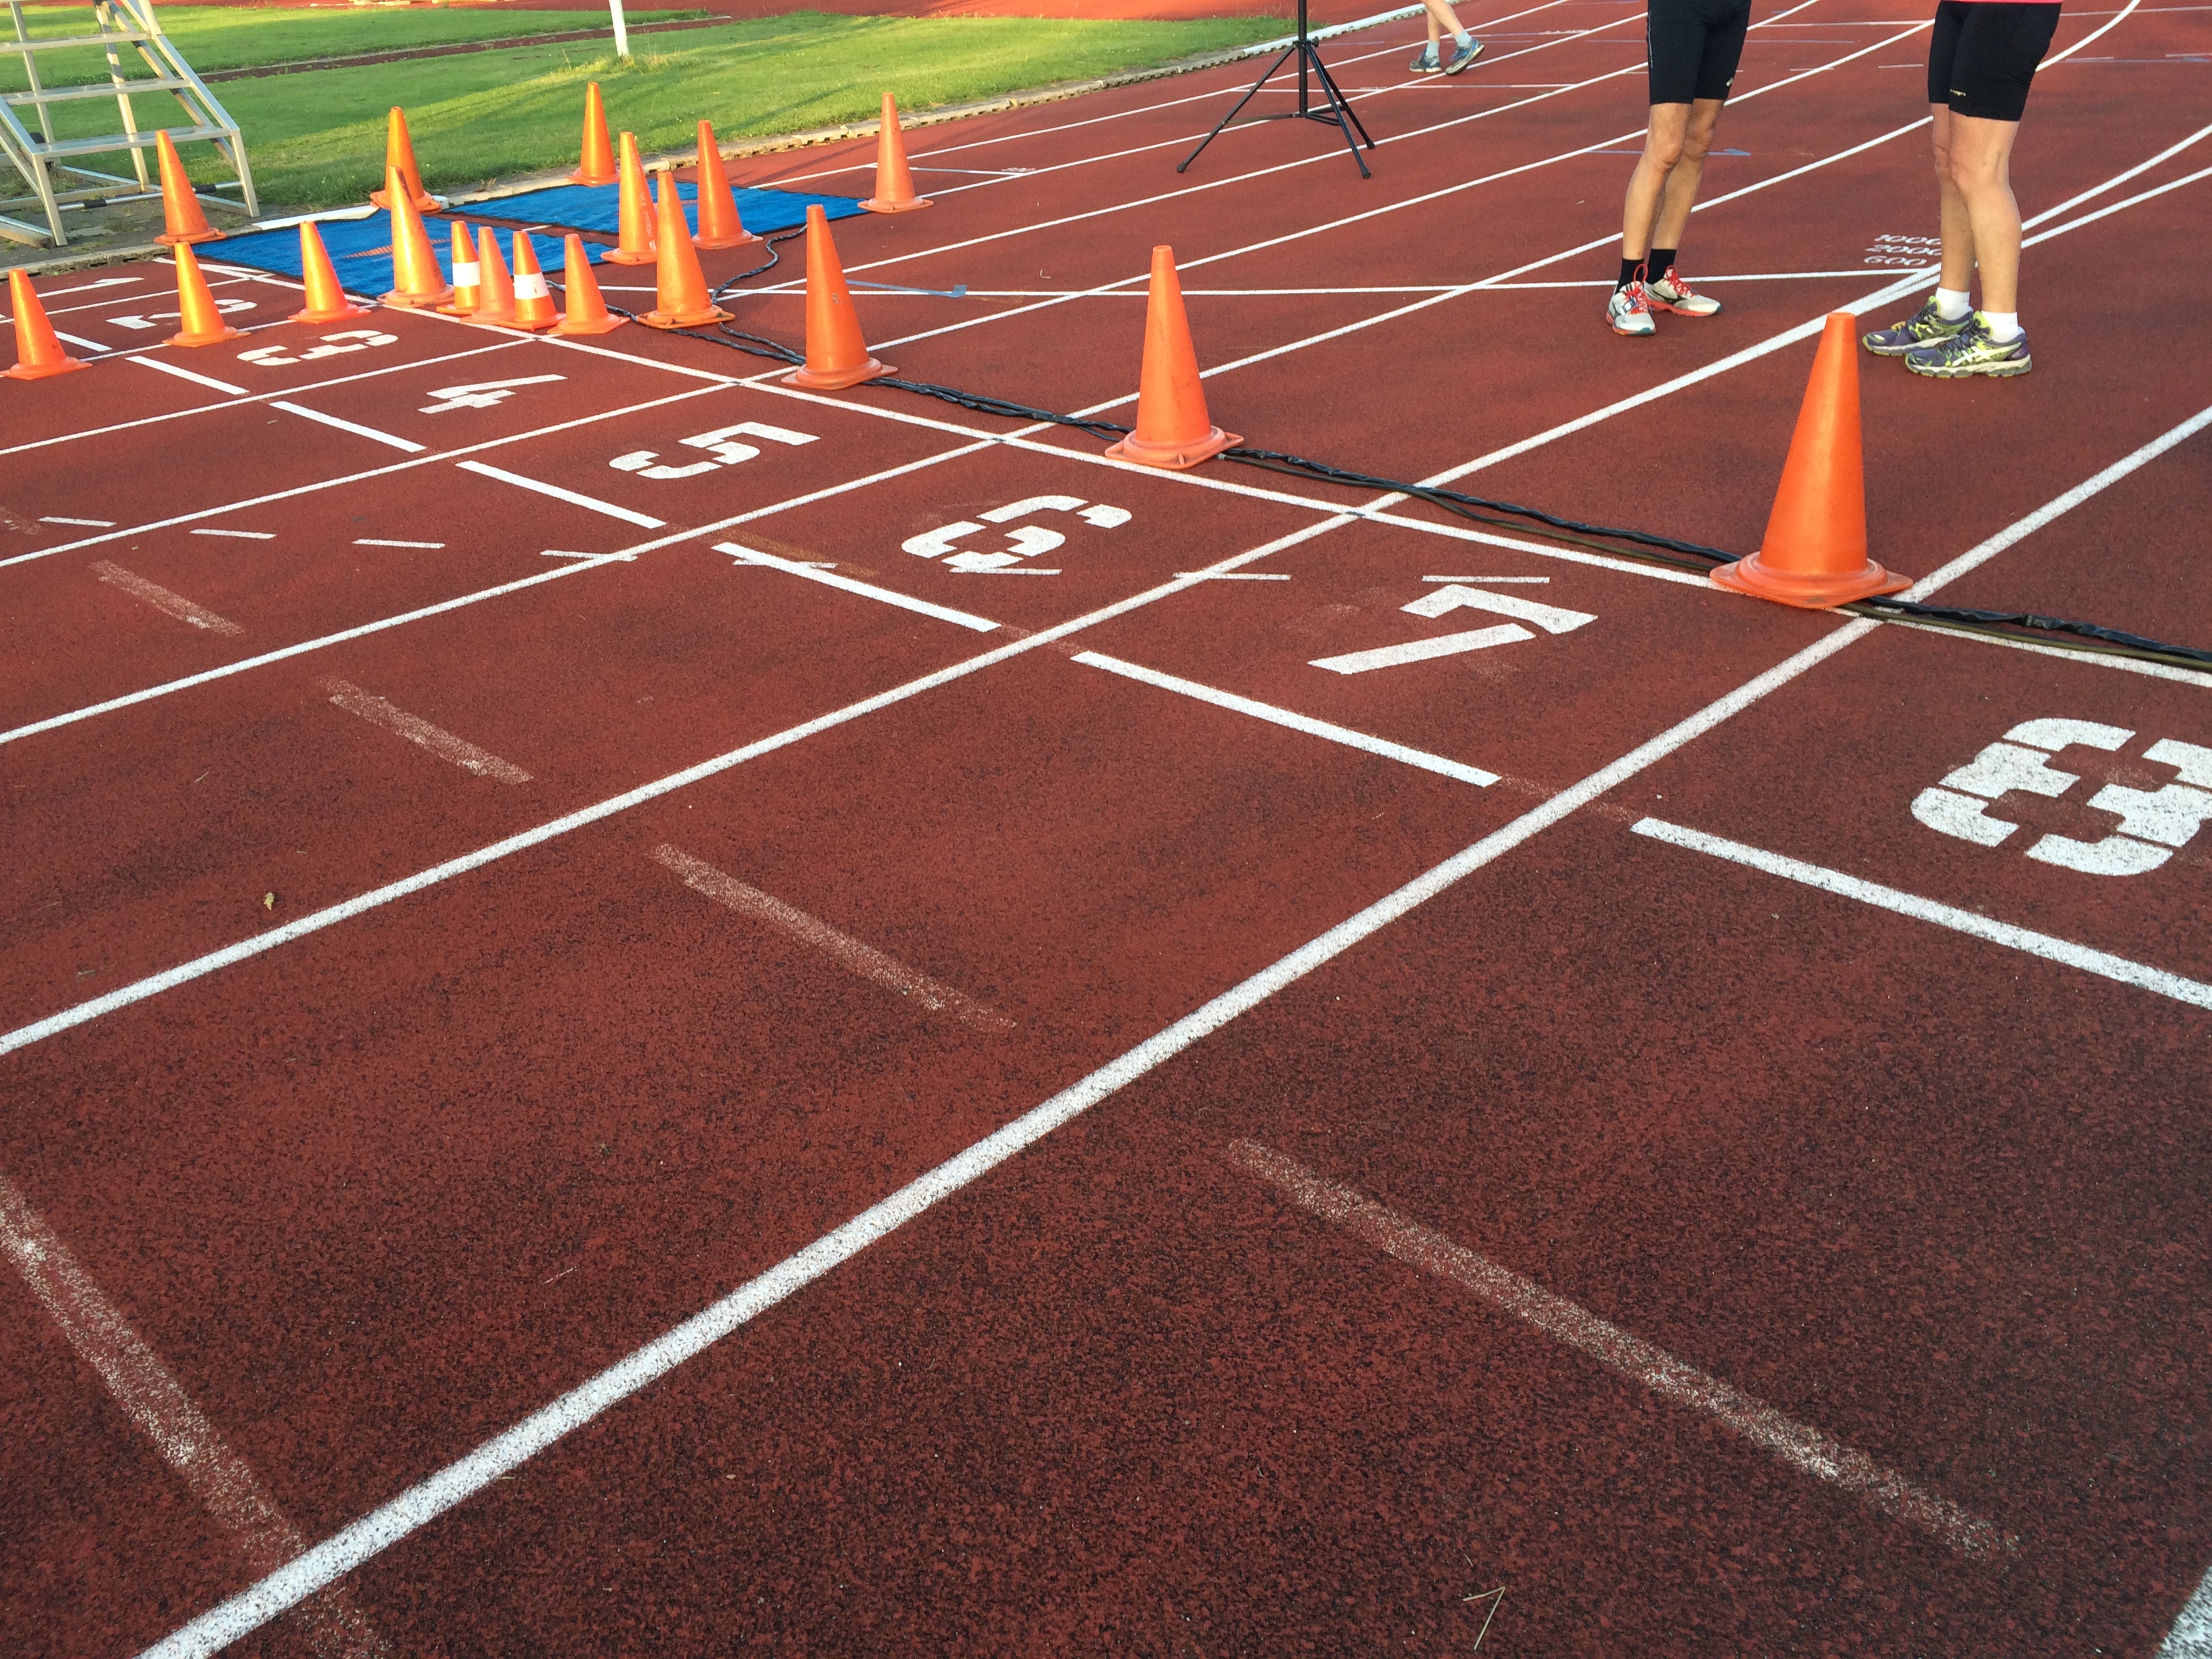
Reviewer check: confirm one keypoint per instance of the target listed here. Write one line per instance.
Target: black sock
(1662, 261)
(1630, 271)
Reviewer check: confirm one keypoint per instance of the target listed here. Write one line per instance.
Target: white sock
(2004, 325)
(1952, 304)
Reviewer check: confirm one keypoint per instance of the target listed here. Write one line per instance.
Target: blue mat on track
(361, 249)
(597, 207)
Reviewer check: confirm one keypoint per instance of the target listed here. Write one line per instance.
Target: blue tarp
(596, 207)
(361, 249)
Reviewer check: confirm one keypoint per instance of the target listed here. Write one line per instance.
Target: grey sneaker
(1462, 55)
(1923, 327)
(1426, 63)
(1971, 351)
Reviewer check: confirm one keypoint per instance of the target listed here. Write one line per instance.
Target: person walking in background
(1692, 47)
(1465, 48)
(1981, 60)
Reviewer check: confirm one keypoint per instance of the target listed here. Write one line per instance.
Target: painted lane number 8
(720, 444)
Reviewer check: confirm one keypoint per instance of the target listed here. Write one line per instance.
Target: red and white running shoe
(1671, 292)
(1628, 311)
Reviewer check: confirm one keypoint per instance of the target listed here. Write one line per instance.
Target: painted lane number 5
(720, 444)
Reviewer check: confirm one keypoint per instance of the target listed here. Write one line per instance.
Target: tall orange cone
(680, 286)
(587, 312)
(1814, 552)
(495, 287)
(181, 218)
(417, 280)
(1173, 429)
(836, 356)
(719, 223)
(196, 308)
(534, 300)
(634, 238)
(597, 166)
(893, 184)
(38, 353)
(399, 152)
(326, 299)
(467, 273)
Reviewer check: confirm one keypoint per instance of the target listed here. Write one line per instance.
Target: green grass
(237, 36)
(316, 139)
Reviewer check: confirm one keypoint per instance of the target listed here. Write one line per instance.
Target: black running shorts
(1983, 55)
(1693, 45)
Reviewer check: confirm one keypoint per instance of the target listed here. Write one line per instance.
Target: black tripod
(1333, 110)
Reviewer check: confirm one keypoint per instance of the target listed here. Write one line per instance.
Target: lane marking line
(175, 605)
(2191, 1635)
(241, 535)
(2050, 949)
(604, 558)
(90, 345)
(358, 430)
(1236, 576)
(1413, 651)
(1296, 722)
(1485, 578)
(379, 540)
(222, 1481)
(1802, 1447)
(644, 521)
(856, 958)
(186, 374)
(831, 579)
(439, 741)
(88, 524)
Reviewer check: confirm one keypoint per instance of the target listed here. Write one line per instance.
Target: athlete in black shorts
(1980, 62)
(1693, 45)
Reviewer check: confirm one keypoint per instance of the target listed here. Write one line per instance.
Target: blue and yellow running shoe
(1971, 351)
(1923, 327)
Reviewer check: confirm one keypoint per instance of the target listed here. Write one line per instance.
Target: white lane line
(358, 430)
(379, 540)
(1485, 578)
(1236, 576)
(88, 524)
(1800, 1445)
(2191, 1635)
(439, 741)
(152, 1399)
(175, 605)
(167, 368)
(87, 287)
(2050, 949)
(883, 595)
(424, 1501)
(604, 558)
(241, 535)
(1296, 722)
(1443, 645)
(855, 957)
(89, 345)
(644, 521)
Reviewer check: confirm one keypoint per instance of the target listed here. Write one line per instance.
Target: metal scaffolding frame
(46, 162)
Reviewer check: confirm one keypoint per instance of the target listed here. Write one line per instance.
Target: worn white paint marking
(1444, 645)
(359, 431)
(1296, 722)
(1800, 1445)
(168, 367)
(2191, 1635)
(175, 605)
(152, 1399)
(378, 541)
(88, 524)
(862, 960)
(2064, 951)
(241, 535)
(831, 577)
(604, 558)
(1235, 576)
(642, 521)
(1485, 578)
(439, 741)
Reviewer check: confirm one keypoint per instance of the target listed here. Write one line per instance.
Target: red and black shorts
(1984, 54)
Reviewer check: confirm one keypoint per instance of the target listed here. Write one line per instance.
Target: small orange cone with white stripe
(399, 152)
(587, 312)
(597, 164)
(1173, 428)
(203, 318)
(326, 297)
(38, 353)
(182, 219)
(836, 356)
(533, 298)
(466, 272)
(416, 282)
(634, 232)
(495, 287)
(894, 183)
(719, 225)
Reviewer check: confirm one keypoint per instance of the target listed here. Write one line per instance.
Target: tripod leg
(1340, 114)
(1336, 97)
(1232, 114)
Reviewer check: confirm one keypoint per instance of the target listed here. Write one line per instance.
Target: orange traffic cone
(196, 308)
(634, 238)
(326, 299)
(680, 286)
(893, 184)
(467, 273)
(38, 353)
(182, 220)
(1173, 429)
(1814, 552)
(598, 163)
(399, 152)
(836, 356)
(495, 287)
(587, 312)
(417, 280)
(534, 300)
(719, 223)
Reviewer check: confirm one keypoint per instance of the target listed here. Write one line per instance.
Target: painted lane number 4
(1552, 618)
(1024, 543)
(720, 444)
(2152, 822)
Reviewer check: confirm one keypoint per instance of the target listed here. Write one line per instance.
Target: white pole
(622, 29)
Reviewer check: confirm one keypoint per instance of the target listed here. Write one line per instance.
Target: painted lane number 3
(1025, 542)
(722, 449)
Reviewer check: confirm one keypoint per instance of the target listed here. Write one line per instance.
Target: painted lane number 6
(720, 444)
